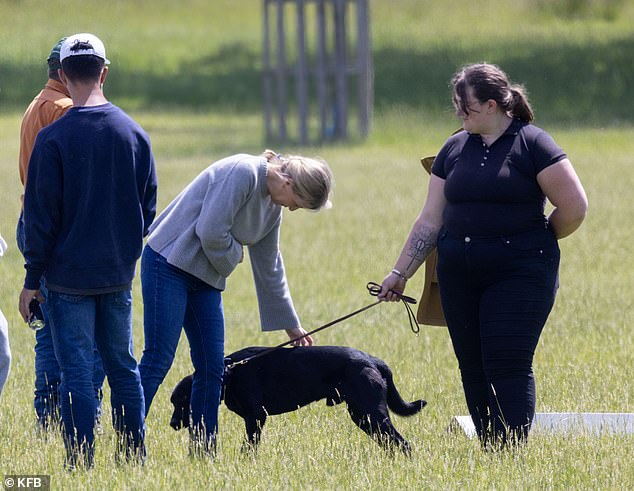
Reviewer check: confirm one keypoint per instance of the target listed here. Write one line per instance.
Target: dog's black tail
(394, 400)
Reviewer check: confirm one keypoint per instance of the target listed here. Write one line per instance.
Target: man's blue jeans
(47, 374)
(172, 300)
(78, 322)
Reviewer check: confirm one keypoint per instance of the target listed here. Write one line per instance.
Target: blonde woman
(196, 243)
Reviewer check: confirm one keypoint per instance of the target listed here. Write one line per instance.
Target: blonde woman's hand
(298, 332)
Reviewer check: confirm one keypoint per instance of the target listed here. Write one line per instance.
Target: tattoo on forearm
(422, 243)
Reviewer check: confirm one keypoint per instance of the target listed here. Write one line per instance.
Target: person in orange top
(49, 105)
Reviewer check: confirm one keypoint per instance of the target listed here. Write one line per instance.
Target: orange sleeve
(39, 114)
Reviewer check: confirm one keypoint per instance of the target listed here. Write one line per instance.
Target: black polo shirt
(493, 190)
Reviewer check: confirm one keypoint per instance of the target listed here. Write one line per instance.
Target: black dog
(283, 380)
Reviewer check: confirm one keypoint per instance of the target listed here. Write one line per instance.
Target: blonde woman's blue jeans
(174, 300)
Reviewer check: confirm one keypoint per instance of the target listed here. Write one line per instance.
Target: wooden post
(365, 69)
(331, 69)
(267, 90)
(302, 74)
(322, 70)
(281, 71)
(341, 88)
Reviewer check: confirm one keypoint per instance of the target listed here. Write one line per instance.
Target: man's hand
(25, 299)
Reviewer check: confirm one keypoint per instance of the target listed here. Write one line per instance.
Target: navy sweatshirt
(89, 201)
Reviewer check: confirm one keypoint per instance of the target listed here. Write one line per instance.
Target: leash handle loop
(374, 289)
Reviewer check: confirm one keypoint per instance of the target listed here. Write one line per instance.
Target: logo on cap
(83, 44)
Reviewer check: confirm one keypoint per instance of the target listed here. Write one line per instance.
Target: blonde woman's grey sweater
(203, 231)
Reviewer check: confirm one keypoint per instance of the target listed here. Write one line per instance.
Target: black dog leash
(373, 289)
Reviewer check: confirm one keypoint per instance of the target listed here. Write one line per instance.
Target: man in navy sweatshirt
(90, 198)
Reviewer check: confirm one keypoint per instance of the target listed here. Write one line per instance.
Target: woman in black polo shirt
(498, 255)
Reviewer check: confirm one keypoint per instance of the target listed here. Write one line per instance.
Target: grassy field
(187, 72)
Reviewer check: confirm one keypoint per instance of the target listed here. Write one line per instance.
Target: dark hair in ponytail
(488, 81)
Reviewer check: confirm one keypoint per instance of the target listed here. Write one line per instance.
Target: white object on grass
(584, 423)
(3, 246)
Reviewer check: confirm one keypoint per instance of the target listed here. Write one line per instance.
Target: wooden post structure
(315, 74)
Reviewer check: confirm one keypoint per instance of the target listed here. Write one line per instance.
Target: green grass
(583, 362)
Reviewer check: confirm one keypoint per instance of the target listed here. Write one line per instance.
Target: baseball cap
(54, 54)
(83, 44)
